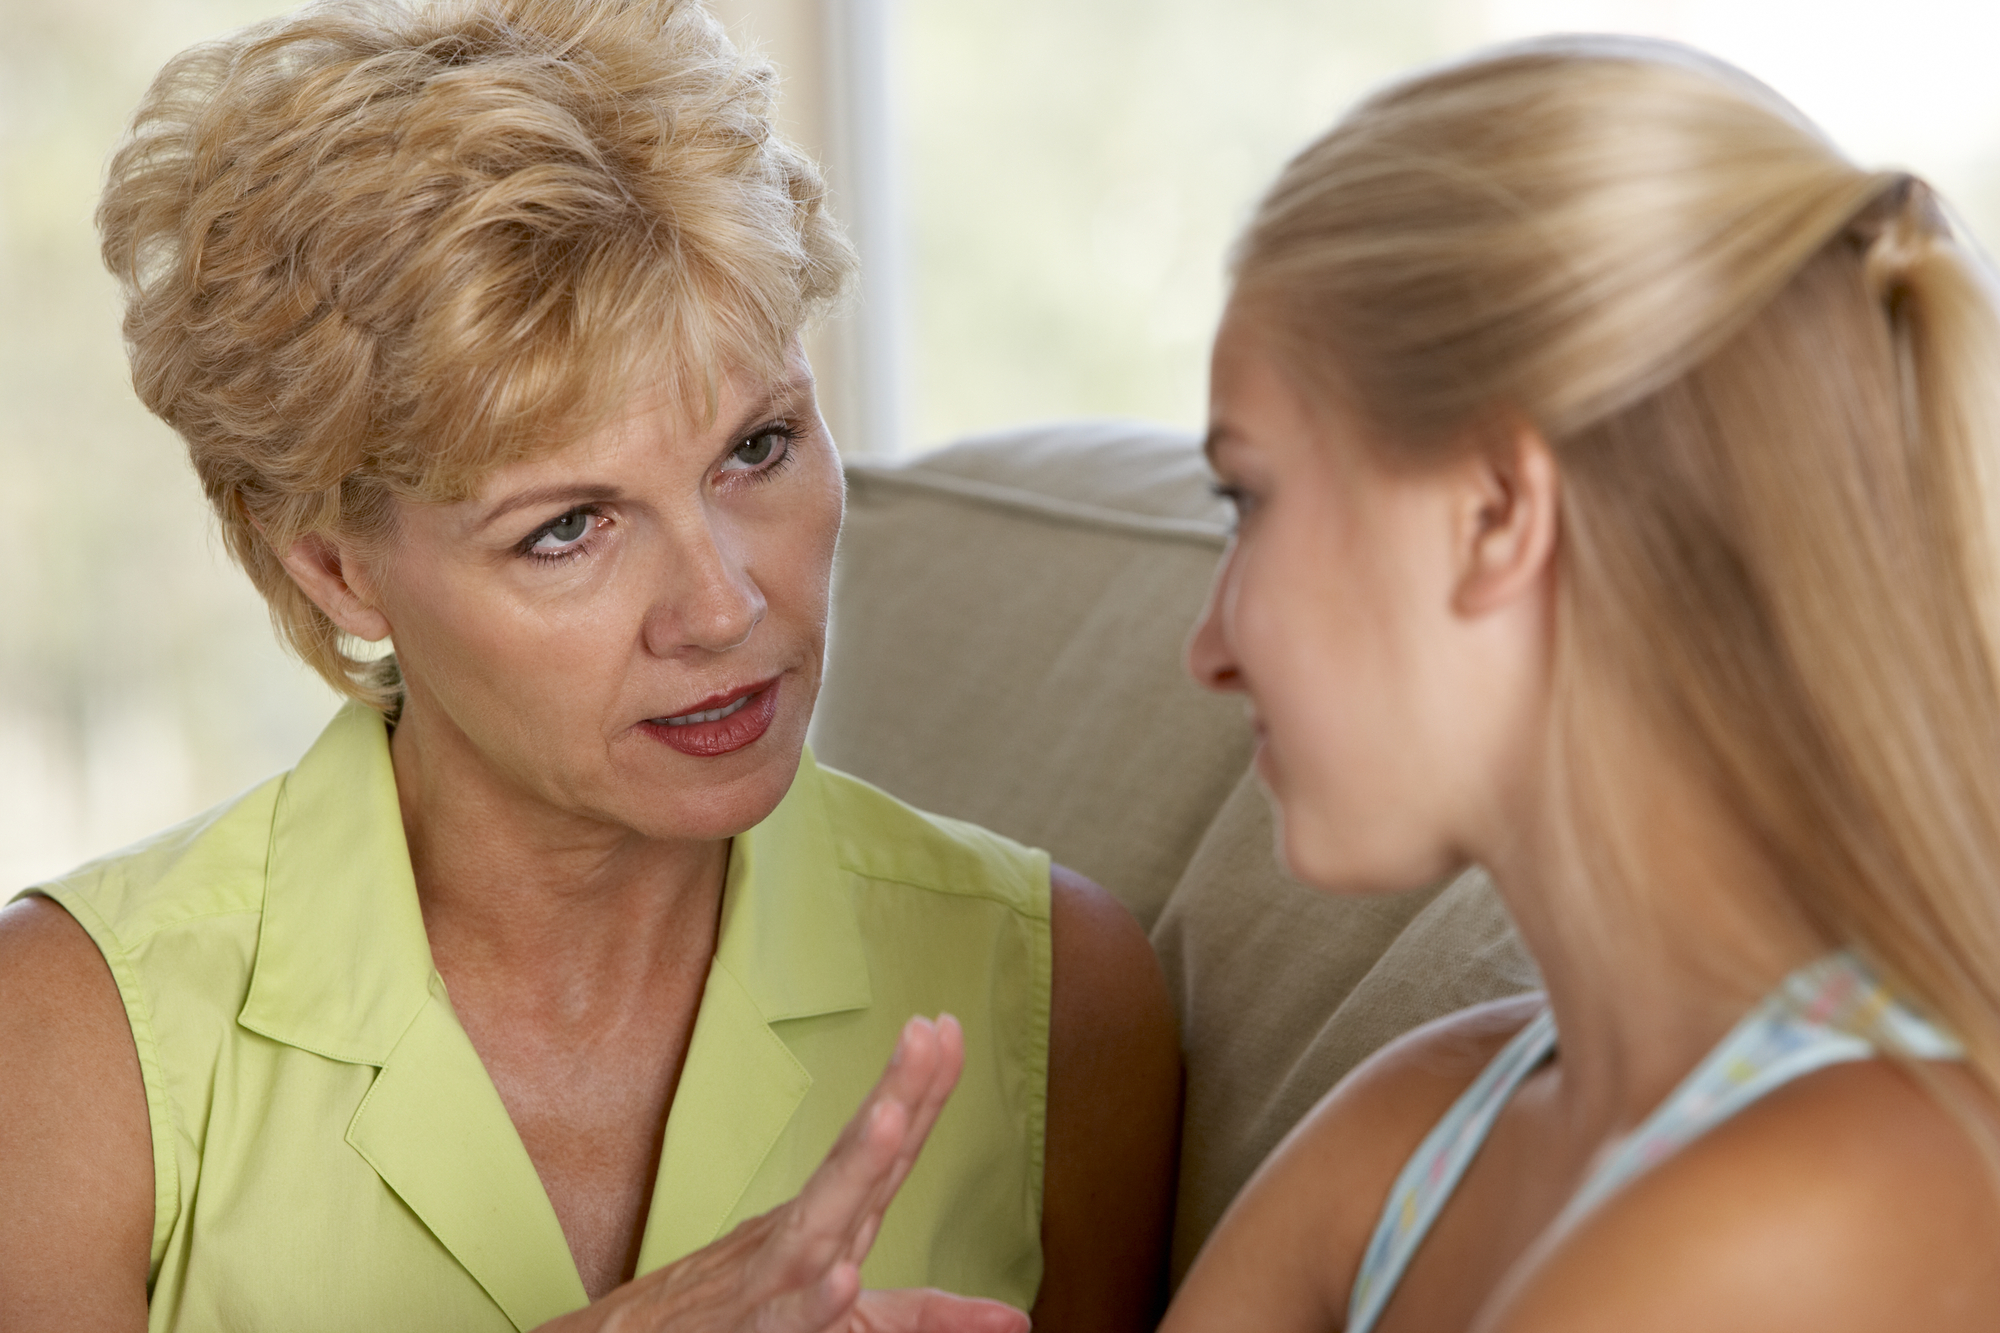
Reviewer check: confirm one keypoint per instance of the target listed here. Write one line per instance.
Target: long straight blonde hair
(1772, 382)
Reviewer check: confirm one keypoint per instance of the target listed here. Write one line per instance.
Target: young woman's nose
(1209, 658)
(707, 600)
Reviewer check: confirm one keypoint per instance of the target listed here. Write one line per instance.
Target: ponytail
(1770, 381)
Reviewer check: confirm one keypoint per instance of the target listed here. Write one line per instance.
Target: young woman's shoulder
(1285, 1254)
(76, 1154)
(1852, 1199)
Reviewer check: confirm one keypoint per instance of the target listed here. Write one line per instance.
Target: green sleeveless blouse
(329, 1152)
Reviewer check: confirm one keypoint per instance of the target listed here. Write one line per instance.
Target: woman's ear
(338, 583)
(1508, 520)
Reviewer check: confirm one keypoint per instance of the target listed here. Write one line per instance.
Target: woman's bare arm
(1113, 1119)
(1284, 1256)
(76, 1148)
(76, 1178)
(76, 1166)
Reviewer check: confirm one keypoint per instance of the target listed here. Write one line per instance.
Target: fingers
(837, 1200)
(816, 1308)
(847, 1194)
(950, 1057)
(839, 1304)
(797, 1268)
(925, 1065)
(929, 1311)
(906, 1082)
(950, 1060)
(944, 1077)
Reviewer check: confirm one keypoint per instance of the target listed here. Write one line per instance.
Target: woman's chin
(1352, 862)
(705, 791)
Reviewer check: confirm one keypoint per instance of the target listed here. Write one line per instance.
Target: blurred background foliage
(1073, 171)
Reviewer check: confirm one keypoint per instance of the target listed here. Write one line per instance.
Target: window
(1043, 191)
(1069, 175)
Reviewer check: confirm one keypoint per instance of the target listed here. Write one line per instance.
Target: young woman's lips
(719, 725)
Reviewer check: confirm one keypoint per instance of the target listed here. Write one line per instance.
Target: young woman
(1616, 468)
(543, 984)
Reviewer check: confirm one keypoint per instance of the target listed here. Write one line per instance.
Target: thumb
(927, 1310)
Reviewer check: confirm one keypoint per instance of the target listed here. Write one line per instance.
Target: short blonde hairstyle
(372, 249)
(1769, 378)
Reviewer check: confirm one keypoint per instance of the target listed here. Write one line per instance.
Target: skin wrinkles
(691, 582)
(569, 867)
(568, 864)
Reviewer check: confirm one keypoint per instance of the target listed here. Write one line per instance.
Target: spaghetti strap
(1826, 1013)
(1830, 1012)
(1434, 1170)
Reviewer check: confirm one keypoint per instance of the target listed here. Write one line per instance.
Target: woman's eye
(758, 450)
(1236, 498)
(565, 531)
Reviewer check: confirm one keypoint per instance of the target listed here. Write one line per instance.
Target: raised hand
(797, 1268)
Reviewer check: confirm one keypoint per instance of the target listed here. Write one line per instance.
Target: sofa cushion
(1282, 989)
(1006, 648)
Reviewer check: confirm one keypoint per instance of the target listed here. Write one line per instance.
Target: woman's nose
(1209, 658)
(708, 600)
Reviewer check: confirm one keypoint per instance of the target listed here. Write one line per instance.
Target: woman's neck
(554, 902)
(1653, 944)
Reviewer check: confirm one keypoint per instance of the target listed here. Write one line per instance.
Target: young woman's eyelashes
(568, 535)
(1240, 501)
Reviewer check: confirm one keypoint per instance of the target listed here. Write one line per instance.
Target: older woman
(556, 958)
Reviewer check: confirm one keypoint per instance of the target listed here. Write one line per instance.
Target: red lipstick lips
(721, 723)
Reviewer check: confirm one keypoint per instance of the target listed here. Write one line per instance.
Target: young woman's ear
(338, 584)
(1508, 520)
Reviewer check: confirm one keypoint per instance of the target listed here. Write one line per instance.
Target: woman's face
(629, 630)
(1383, 691)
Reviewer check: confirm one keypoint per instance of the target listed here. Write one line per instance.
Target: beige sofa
(1006, 648)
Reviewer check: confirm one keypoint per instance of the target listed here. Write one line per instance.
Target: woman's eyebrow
(1217, 436)
(785, 393)
(566, 492)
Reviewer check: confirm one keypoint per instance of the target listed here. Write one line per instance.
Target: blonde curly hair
(372, 249)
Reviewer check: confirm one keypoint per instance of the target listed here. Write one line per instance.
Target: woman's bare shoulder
(1855, 1198)
(57, 995)
(1113, 1116)
(1285, 1254)
(76, 1154)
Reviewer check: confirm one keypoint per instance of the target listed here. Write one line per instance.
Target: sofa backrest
(1006, 648)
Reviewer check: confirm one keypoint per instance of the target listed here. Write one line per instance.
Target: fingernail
(904, 1038)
